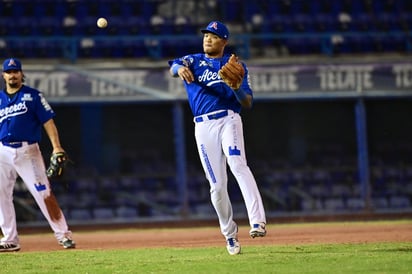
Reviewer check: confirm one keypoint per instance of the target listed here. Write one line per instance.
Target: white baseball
(102, 22)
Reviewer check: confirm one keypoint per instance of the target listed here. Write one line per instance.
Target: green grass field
(308, 258)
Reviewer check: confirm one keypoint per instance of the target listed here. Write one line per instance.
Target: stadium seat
(23, 27)
(21, 49)
(334, 204)
(303, 23)
(324, 22)
(5, 27)
(305, 46)
(103, 213)
(48, 26)
(379, 203)
(317, 191)
(126, 212)
(60, 9)
(399, 202)
(340, 190)
(86, 199)
(137, 25)
(80, 214)
(355, 204)
(311, 205)
(280, 23)
(389, 22)
(47, 49)
(361, 44)
(205, 209)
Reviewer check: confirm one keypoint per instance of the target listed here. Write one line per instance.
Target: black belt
(16, 144)
(213, 116)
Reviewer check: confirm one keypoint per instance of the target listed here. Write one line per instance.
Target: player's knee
(219, 194)
(237, 165)
(216, 188)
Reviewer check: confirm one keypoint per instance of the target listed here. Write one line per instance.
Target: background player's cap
(11, 64)
(217, 28)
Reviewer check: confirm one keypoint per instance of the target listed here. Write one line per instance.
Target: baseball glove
(57, 165)
(232, 72)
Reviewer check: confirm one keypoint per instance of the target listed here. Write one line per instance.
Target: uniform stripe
(207, 162)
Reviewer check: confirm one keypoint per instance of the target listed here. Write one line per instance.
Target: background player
(219, 130)
(23, 112)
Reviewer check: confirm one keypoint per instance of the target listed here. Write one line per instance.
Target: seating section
(313, 189)
(307, 27)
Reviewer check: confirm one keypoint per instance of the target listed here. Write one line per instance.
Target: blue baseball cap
(217, 28)
(11, 64)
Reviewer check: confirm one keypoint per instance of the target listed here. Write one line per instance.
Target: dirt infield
(132, 236)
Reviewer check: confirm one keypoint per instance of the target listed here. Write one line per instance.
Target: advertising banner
(74, 84)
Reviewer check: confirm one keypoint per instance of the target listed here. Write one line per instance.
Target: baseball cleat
(67, 243)
(5, 247)
(258, 230)
(233, 246)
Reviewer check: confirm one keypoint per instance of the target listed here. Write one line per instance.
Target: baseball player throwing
(218, 87)
(23, 113)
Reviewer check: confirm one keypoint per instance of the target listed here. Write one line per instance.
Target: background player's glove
(232, 72)
(57, 164)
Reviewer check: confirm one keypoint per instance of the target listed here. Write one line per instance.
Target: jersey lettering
(13, 110)
(208, 76)
(45, 104)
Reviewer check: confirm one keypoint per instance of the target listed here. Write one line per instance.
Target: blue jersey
(22, 116)
(208, 92)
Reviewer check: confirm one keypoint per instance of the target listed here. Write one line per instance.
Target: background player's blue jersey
(208, 92)
(17, 122)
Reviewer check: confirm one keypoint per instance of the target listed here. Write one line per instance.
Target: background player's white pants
(27, 162)
(219, 141)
